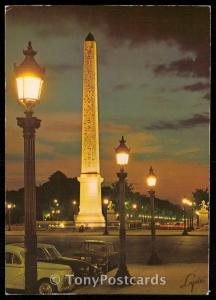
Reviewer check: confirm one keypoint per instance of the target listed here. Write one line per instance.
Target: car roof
(97, 242)
(38, 245)
(14, 247)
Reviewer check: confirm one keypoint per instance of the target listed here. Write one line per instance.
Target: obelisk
(90, 180)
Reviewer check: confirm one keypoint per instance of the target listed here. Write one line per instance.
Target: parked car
(48, 253)
(15, 273)
(97, 252)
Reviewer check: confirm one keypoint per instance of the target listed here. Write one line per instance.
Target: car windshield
(53, 252)
(96, 247)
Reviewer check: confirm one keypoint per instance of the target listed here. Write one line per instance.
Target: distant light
(106, 201)
(61, 225)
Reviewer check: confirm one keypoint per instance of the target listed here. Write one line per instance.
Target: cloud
(206, 96)
(186, 26)
(121, 86)
(188, 151)
(195, 120)
(199, 86)
(185, 67)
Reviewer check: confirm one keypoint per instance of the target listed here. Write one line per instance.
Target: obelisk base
(90, 221)
(90, 214)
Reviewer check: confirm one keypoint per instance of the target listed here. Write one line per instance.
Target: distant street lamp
(106, 202)
(192, 215)
(122, 157)
(185, 202)
(9, 207)
(74, 208)
(151, 182)
(29, 79)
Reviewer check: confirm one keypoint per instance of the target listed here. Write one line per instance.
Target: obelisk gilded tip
(90, 37)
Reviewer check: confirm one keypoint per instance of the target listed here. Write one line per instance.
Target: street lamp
(122, 156)
(185, 202)
(29, 79)
(151, 182)
(106, 202)
(192, 216)
(9, 207)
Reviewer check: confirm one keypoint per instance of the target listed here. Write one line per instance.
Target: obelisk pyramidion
(90, 180)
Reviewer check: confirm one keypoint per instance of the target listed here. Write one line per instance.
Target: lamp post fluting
(106, 202)
(151, 181)
(122, 156)
(29, 78)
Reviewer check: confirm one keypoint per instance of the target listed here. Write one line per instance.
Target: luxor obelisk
(90, 180)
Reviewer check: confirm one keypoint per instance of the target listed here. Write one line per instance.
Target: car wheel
(45, 287)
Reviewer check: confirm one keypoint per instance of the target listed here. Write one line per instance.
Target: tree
(58, 186)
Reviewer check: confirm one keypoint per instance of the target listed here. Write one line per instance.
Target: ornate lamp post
(151, 182)
(29, 79)
(122, 156)
(105, 202)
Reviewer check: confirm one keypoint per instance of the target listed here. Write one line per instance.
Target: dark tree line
(67, 191)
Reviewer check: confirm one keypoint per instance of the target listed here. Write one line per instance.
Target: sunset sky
(153, 82)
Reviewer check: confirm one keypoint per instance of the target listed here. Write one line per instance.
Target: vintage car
(48, 253)
(15, 273)
(97, 252)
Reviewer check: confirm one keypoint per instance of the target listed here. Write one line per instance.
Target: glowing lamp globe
(9, 205)
(106, 201)
(151, 178)
(184, 200)
(122, 153)
(29, 79)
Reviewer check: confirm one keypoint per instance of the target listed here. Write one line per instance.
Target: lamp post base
(185, 232)
(124, 274)
(106, 232)
(154, 259)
